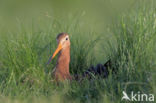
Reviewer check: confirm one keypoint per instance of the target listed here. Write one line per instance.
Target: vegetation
(128, 39)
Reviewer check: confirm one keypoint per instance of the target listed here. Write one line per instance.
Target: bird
(61, 70)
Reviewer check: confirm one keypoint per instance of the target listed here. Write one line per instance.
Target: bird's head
(63, 42)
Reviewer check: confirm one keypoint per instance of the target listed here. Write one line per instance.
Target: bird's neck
(63, 61)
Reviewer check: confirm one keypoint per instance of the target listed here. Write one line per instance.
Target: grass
(26, 48)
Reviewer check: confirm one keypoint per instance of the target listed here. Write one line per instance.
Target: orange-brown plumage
(61, 71)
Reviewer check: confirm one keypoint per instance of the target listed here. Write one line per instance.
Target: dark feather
(101, 70)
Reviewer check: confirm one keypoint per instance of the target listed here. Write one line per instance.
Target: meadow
(109, 30)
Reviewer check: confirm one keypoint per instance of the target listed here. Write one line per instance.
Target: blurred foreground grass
(27, 41)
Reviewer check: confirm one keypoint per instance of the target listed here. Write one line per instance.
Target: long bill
(56, 52)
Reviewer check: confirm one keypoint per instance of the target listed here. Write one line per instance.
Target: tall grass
(134, 58)
(25, 77)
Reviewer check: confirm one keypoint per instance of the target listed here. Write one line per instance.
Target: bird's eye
(66, 38)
